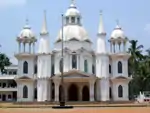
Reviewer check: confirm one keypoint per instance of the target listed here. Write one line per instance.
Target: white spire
(44, 30)
(101, 30)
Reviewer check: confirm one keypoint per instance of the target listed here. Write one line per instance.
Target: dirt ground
(75, 110)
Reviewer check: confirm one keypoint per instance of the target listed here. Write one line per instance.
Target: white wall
(31, 62)
(20, 85)
(115, 91)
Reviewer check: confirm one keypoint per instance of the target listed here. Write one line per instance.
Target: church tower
(119, 64)
(102, 64)
(44, 65)
(26, 64)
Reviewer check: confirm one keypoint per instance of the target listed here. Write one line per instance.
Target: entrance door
(85, 93)
(3, 97)
(73, 93)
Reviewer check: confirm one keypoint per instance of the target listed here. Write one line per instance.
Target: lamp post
(62, 100)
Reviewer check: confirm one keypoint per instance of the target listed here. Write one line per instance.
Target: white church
(89, 75)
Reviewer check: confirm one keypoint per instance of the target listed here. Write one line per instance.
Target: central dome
(73, 32)
(73, 28)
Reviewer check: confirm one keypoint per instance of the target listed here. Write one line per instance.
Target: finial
(27, 24)
(101, 12)
(118, 24)
(72, 5)
(117, 21)
(73, 2)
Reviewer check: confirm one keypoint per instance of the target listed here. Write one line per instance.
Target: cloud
(12, 3)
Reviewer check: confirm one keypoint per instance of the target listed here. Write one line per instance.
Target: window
(72, 19)
(0, 96)
(120, 91)
(109, 69)
(85, 66)
(60, 65)
(67, 20)
(25, 92)
(74, 61)
(4, 85)
(93, 69)
(15, 72)
(25, 67)
(78, 19)
(53, 69)
(119, 67)
(9, 96)
(35, 69)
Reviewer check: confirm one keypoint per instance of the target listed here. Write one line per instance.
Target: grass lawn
(77, 110)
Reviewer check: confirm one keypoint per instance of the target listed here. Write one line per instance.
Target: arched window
(109, 69)
(35, 69)
(72, 20)
(60, 65)
(9, 96)
(93, 69)
(78, 20)
(119, 67)
(25, 67)
(85, 66)
(120, 91)
(25, 92)
(74, 61)
(67, 20)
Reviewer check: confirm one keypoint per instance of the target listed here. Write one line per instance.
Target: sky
(133, 16)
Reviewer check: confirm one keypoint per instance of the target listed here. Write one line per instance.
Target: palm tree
(4, 61)
(136, 56)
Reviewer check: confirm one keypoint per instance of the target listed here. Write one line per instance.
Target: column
(66, 92)
(57, 84)
(19, 47)
(29, 47)
(92, 81)
(80, 93)
(111, 47)
(24, 47)
(33, 47)
(124, 46)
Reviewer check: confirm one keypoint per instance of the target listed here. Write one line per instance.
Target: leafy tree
(4, 61)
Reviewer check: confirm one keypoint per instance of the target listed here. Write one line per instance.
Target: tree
(4, 61)
(136, 56)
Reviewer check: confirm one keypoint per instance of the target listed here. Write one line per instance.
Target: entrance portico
(77, 86)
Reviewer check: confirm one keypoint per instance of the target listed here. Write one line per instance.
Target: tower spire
(44, 30)
(101, 30)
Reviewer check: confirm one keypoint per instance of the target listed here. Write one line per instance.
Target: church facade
(89, 75)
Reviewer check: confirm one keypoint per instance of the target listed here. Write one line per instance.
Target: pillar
(80, 93)
(91, 84)
(57, 84)
(104, 89)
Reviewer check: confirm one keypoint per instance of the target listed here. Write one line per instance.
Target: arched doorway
(3, 97)
(73, 93)
(85, 93)
(53, 91)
